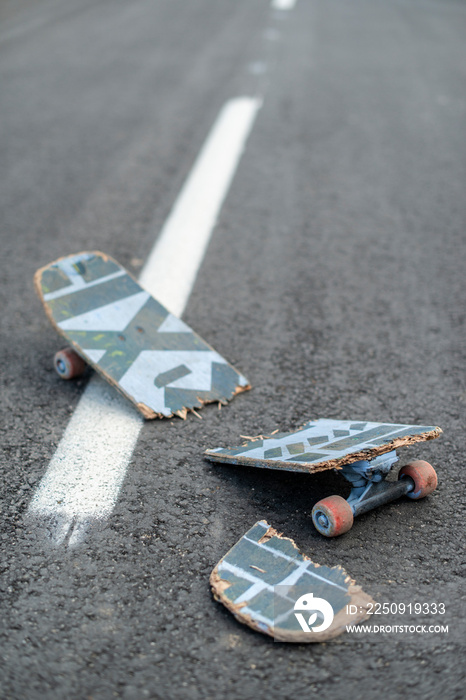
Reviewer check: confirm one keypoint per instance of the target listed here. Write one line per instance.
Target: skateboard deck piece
(324, 444)
(134, 342)
(265, 582)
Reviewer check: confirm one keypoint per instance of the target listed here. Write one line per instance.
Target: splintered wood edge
(337, 463)
(150, 414)
(358, 598)
(147, 412)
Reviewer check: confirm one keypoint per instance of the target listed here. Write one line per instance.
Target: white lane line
(84, 477)
(283, 4)
(172, 266)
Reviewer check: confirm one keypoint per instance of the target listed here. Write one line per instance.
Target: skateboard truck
(362, 451)
(334, 515)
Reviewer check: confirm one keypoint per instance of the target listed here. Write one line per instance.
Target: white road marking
(283, 4)
(84, 477)
(172, 266)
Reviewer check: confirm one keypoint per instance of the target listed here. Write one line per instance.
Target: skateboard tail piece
(152, 357)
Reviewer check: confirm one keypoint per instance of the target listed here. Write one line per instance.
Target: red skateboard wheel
(424, 476)
(332, 516)
(68, 364)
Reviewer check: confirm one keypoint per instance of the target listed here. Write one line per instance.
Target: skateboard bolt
(322, 520)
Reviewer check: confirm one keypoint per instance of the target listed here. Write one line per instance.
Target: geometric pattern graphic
(263, 576)
(149, 354)
(324, 444)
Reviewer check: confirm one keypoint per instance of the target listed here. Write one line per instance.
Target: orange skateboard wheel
(424, 476)
(68, 364)
(332, 516)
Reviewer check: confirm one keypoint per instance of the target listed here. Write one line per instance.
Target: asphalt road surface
(334, 280)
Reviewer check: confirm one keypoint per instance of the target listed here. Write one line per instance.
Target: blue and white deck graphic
(324, 444)
(149, 354)
(263, 577)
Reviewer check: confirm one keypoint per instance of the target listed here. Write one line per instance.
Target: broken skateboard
(364, 452)
(152, 357)
(269, 585)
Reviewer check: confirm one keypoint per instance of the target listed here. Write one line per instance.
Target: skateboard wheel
(332, 516)
(68, 364)
(424, 476)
